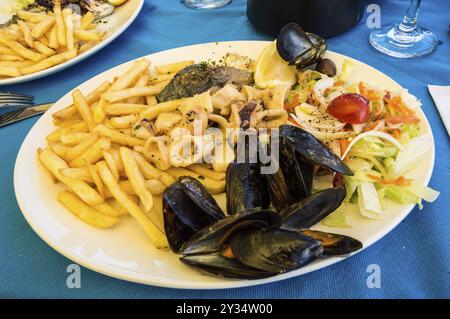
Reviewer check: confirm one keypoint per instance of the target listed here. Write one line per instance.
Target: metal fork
(20, 100)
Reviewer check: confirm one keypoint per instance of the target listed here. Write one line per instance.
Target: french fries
(42, 27)
(93, 153)
(82, 147)
(118, 137)
(83, 108)
(130, 76)
(26, 33)
(125, 121)
(54, 163)
(91, 98)
(99, 149)
(146, 168)
(202, 170)
(173, 67)
(60, 27)
(74, 138)
(80, 173)
(41, 40)
(86, 20)
(114, 96)
(85, 35)
(20, 49)
(49, 62)
(68, 25)
(136, 179)
(97, 181)
(158, 238)
(85, 212)
(111, 164)
(213, 186)
(124, 108)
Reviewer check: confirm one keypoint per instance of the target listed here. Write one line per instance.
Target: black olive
(327, 67)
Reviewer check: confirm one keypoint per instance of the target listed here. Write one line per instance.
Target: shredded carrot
(371, 126)
(344, 143)
(404, 119)
(338, 83)
(399, 181)
(369, 94)
(362, 88)
(290, 107)
(290, 119)
(395, 133)
(295, 100)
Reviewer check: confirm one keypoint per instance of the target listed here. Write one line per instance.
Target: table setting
(92, 93)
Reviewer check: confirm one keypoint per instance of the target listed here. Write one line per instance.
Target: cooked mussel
(334, 244)
(249, 245)
(312, 150)
(246, 188)
(274, 250)
(213, 238)
(298, 47)
(187, 208)
(293, 180)
(220, 265)
(312, 209)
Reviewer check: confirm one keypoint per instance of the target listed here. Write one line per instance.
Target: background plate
(114, 25)
(124, 251)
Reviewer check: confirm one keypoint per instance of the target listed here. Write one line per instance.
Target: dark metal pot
(323, 17)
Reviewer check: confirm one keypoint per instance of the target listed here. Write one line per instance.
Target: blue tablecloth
(414, 258)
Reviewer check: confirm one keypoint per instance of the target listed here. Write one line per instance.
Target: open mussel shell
(298, 47)
(274, 250)
(246, 188)
(187, 208)
(222, 266)
(293, 180)
(312, 209)
(334, 244)
(200, 196)
(213, 238)
(312, 150)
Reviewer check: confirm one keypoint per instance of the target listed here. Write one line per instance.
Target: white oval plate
(114, 26)
(124, 251)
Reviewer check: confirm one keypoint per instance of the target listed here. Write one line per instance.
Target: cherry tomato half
(350, 108)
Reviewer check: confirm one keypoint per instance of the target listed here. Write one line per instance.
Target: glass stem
(409, 22)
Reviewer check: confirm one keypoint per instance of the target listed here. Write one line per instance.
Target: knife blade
(21, 114)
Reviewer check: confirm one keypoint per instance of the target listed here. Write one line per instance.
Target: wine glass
(407, 39)
(205, 4)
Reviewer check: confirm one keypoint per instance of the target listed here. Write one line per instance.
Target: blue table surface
(414, 258)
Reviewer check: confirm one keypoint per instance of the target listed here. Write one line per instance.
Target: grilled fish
(199, 78)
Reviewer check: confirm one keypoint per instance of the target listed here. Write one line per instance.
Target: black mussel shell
(212, 239)
(187, 208)
(200, 196)
(219, 265)
(298, 47)
(334, 244)
(246, 189)
(312, 209)
(274, 250)
(293, 180)
(312, 150)
(292, 41)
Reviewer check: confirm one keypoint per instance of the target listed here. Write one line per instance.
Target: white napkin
(441, 97)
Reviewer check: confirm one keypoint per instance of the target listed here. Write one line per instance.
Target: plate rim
(83, 56)
(124, 274)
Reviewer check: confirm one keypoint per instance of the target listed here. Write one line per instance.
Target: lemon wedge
(117, 2)
(271, 70)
